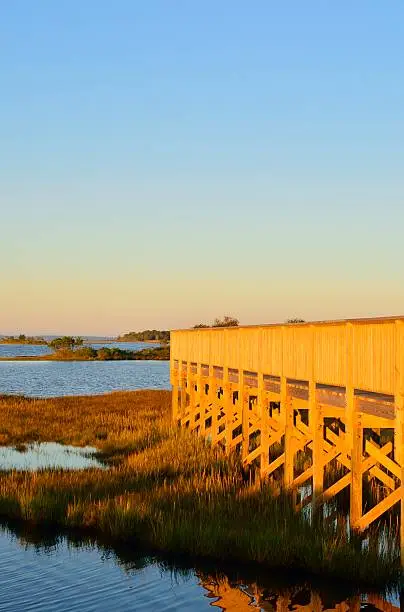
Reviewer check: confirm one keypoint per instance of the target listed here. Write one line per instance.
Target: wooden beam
(244, 410)
(317, 430)
(356, 473)
(287, 409)
(379, 509)
(399, 422)
(264, 425)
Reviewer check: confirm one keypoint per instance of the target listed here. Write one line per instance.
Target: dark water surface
(53, 573)
(56, 576)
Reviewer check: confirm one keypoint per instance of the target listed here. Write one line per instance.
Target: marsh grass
(167, 489)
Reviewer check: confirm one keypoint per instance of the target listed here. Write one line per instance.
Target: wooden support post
(287, 409)
(183, 392)
(192, 396)
(399, 423)
(228, 409)
(174, 401)
(349, 390)
(201, 399)
(316, 423)
(353, 433)
(317, 431)
(264, 415)
(244, 413)
(214, 404)
(356, 470)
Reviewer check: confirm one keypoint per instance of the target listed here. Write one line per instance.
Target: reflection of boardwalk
(332, 390)
(227, 596)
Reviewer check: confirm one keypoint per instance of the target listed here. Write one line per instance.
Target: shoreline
(169, 490)
(48, 358)
(86, 353)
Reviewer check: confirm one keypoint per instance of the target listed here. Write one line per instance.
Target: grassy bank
(168, 489)
(87, 353)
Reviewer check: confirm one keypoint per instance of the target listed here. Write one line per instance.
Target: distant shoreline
(86, 353)
(86, 341)
(50, 358)
(24, 343)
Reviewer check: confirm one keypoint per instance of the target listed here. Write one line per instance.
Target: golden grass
(166, 488)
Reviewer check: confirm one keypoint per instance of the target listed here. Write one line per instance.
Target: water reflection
(48, 455)
(52, 571)
(244, 597)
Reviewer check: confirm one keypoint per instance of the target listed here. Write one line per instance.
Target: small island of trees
(147, 335)
(227, 321)
(22, 339)
(70, 348)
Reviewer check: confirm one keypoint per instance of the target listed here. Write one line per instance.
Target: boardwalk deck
(333, 389)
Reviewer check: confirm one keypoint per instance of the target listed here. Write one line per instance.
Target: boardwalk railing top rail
(367, 354)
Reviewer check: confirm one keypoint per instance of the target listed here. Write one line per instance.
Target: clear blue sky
(164, 162)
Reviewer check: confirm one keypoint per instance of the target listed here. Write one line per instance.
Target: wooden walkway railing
(329, 389)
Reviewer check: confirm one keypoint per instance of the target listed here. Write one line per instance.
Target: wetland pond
(48, 455)
(56, 572)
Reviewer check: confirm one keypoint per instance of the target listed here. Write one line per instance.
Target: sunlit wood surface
(330, 389)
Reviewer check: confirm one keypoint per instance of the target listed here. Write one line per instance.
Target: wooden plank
(336, 488)
(287, 408)
(399, 422)
(265, 427)
(299, 480)
(376, 422)
(237, 440)
(275, 464)
(369, 462)
(244, 410)
(379, 509)
(382, 476)
(356, 501)
(253, 455)
(388, 463)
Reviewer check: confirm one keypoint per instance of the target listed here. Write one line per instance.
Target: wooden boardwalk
(332, 390)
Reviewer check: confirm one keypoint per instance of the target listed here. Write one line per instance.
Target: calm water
(51, 573)
(48, 455)
(56, 378)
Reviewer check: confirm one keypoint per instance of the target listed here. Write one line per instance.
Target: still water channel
(53, 572)
(57, 378)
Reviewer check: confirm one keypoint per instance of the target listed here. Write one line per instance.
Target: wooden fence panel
(330, 354)
(374, 356)
(271, 339)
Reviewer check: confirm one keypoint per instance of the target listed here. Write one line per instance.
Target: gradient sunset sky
(166, 162)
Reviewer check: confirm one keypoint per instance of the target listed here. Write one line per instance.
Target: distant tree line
(147, 335)
(66, 342)
(22, 339)
(70, 348)
(227, 321)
